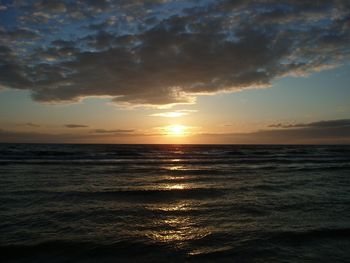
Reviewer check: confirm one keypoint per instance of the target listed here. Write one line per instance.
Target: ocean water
(175, 203)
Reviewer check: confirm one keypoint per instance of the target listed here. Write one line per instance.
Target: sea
(174, 203)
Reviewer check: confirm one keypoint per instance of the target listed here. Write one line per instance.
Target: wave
(309, 235)
(232, 162)
(220, 246)
(325, 167)
(75, 251)
(251, 246)
(139, 195)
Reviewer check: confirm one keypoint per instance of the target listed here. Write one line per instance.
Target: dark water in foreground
(112, 203)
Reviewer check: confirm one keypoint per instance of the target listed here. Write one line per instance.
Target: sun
(176, 130)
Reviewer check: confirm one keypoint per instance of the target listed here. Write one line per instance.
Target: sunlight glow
(176, 130)
(172, 114)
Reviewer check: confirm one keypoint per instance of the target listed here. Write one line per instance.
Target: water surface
(108, 203)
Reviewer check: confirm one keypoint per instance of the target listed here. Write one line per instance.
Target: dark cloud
(73, 126)
(118, 131)
(328, 131)
(51, 5)
(18, 34)
(8, 136)
(102, 25)
(171, 53)
(318, 124)
(322, 132)
(102, 40)
(34, 137)
(13, 74)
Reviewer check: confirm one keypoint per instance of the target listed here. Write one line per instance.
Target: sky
(173, 71)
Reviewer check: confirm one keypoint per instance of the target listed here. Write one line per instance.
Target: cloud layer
(318, 124)
(158, 52)
(321, 132)
(74, 126)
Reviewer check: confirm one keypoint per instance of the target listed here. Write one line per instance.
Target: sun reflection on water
(176, 228)
(175, 178)
(174, 221)
(174, 186)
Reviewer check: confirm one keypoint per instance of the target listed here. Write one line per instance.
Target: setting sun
(176, 130)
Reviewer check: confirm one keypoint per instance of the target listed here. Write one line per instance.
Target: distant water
(156, 203)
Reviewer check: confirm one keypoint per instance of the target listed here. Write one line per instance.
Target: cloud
(51, 6)
(73, 126)
(118, 131)
(171, 53)
(19, 34)
(318, 124)
(333, 131)
(326, 131)
(29, 124)
(8, 136)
